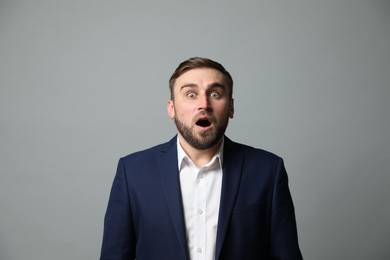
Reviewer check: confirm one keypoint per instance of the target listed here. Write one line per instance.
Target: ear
(231, 108)
(171, 109)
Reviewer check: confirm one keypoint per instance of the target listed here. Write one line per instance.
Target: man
(200, 195)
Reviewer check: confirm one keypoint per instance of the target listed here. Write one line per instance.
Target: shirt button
(199, 250)
(200, 212)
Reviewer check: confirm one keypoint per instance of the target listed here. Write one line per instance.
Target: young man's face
(201, 107)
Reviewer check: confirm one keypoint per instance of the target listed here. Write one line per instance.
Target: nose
(204, 102)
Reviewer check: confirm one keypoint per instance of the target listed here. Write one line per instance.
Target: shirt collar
(181, 155)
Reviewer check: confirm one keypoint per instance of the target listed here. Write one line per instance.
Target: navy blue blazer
(145, 219)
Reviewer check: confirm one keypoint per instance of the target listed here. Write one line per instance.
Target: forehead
(200, 77)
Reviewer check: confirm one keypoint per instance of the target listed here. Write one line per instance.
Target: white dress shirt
(201, 193)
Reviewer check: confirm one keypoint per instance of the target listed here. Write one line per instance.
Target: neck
(200, 157)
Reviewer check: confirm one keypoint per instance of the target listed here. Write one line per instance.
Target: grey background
(85, 82)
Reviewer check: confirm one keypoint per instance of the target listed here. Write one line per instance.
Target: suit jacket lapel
(169, 175)
(232, 170)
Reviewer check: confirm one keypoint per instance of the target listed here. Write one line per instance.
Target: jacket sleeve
(118, 235)
(284, 238)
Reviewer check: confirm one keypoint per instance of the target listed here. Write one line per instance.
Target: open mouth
(203, 122)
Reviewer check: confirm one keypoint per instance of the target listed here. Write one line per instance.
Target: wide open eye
(191, 94)
(215, 94)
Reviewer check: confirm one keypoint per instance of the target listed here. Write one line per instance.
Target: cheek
(183, 113)
(222, 111)
(184, 110)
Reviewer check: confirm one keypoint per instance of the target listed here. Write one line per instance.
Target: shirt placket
(200, 214)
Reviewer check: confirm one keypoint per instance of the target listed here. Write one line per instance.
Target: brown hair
(196, 63)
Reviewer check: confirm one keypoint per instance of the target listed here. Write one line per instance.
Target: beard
(204, 139)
